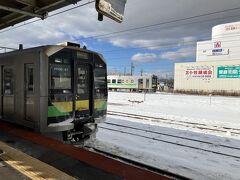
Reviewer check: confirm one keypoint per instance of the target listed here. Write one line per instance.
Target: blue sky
(154, 49)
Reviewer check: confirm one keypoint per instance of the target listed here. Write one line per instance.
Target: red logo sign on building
(199, 72)
(217, 44)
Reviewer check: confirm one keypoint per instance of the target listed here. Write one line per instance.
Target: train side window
(109, 81)
(114, 81)
(132, 81)
(29, 79)
(119, 81)
(8, 81)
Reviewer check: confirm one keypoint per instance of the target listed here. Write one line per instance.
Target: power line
(167, 45)
(31, 22)
(131, 29)
(153, 29)
(166, 22)
(190, 51)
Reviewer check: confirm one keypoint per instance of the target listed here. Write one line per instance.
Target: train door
(29, 92)
(147, 83)
(140, 84)
(82, 90)
(8, 107)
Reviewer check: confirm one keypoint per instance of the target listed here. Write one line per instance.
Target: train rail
(201, 126)
(196, 144)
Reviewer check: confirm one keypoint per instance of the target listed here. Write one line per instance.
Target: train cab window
(100, 82)
(8, 81)
(114, 81)
(60, 76)
(82, 80)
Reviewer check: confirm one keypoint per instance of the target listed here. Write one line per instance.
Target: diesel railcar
(55, 90)
(132, 83)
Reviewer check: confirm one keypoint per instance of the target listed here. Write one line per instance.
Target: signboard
(218, 50)
(113, 9)
(228, 72)
(232, 27)
(199, 72)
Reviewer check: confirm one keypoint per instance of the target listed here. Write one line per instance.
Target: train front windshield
(77, 87)
(100, 87)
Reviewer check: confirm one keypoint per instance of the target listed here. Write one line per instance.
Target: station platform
(18, 165)
(46, 158)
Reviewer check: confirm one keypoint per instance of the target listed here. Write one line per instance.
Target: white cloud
(183, 53)
(177, 55)
(144, 57)
(162, 73)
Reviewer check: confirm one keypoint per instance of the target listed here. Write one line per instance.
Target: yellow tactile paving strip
(29, 166)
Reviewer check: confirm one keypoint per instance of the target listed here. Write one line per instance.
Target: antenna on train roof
(20, 47)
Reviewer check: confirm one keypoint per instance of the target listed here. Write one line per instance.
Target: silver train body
(55, 90)
(132, 83)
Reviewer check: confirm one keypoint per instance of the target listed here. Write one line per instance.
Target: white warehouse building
(217, 66)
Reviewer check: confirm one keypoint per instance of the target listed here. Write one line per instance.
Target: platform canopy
(16, 11)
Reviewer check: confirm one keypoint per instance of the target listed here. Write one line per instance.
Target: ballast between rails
(202, 126)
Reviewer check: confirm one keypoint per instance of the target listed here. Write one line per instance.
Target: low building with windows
(217, 66)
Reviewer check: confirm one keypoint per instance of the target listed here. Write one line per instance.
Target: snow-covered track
(136, 163)
(187, 142)
(201, 126)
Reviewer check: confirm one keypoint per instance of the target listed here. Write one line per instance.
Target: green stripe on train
(101, 105)
(127, 85)
(54, 112)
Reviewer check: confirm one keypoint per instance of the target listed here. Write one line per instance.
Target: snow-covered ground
(219, 111)
(187, 151)
(182, 160)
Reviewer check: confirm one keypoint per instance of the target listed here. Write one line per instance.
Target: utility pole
(132, 69)
(124, 71)
(141, 72)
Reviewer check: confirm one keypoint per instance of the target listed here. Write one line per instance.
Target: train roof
(39, 48)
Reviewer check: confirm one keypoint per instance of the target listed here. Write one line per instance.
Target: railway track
(201, 126)
(202, 145)
(136, 163)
